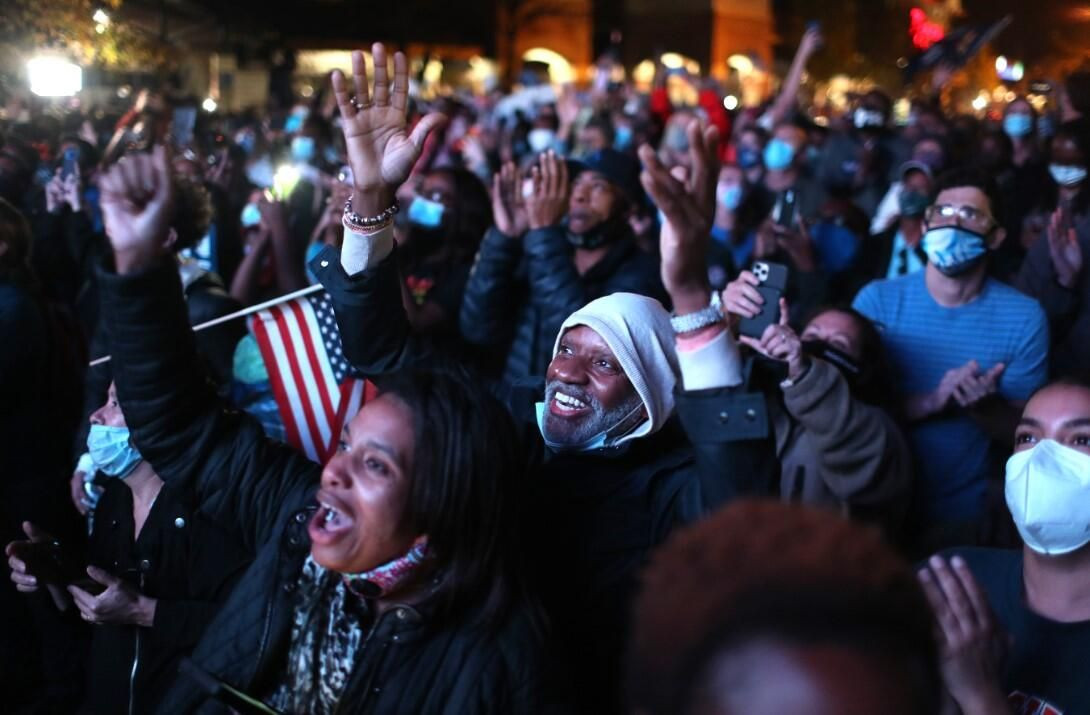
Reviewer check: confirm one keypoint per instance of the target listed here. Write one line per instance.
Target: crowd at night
(437, 383)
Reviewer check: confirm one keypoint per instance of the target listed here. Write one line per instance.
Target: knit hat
(638, 332)
(619, 169)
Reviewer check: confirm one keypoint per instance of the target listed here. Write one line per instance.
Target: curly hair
(763, 569)
(192, 211)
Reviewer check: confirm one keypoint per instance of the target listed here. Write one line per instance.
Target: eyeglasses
(961, 215)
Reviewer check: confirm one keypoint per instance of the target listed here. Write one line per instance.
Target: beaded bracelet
(369, 222)
(370, 228)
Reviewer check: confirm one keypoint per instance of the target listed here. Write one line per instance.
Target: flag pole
(237, 314)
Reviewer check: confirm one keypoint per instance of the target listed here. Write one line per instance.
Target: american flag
(315, 388)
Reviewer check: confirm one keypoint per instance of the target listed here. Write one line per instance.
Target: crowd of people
(657, 408)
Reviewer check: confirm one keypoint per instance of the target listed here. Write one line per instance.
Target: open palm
(380, 150)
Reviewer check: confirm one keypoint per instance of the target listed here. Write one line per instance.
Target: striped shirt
(924, 340)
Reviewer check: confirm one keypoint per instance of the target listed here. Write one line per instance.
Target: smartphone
(70, 164)
(184, 121)
(783, 213)
(773, 283)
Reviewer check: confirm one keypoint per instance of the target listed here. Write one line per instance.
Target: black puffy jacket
(520, 291)
(260, 491)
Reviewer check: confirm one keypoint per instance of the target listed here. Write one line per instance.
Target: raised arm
(727, 426)
(488, 305)
(362, 279)
(785, 101)
(242, 480)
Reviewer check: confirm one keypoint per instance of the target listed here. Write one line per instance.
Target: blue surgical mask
(302, 148)
(596, 441)
(779, 155)
(251, 215)
(729, 196)
(111, 450)
(426, 213)
(622, 137)
(1017, 125)
(748, 157)
(1067, 175)
(246, 141)
(953, 249)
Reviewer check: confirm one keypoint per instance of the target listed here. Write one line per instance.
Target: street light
(53, 76)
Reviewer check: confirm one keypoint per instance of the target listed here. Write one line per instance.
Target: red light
(923, 32)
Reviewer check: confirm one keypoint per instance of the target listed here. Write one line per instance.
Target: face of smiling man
(587, 391)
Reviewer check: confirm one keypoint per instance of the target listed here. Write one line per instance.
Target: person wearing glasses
(968, 351)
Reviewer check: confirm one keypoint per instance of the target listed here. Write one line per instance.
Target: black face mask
(599, 235)
(848, 366)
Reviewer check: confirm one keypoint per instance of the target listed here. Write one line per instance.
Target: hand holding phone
(755, 297)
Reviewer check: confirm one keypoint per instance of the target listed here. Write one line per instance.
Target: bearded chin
(600, 421)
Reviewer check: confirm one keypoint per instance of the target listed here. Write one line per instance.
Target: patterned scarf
(330, 628)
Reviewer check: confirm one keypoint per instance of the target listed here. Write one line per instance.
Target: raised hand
(116, 601)
(72, 191)
(54, 193)
(548, 202)
(798, 245)
(1064, 249)
(508, 205)
(137, 200)
(381, 151)
(970, 643)
(780, 342)
(687, 200)
(811, 42)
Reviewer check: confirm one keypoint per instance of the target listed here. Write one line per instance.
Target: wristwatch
(700, 319)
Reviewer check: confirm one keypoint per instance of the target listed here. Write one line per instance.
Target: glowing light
(1001, 64)
(52, 76)
(980, 103)
(284, 181)
(923, 32)
(1010, 97)
(1018, 71)
(100, 17)
(730, 102)
(433, 71)
(743, 64)
(100, 29)
(209, 105)
(672, 61)
(560, 70)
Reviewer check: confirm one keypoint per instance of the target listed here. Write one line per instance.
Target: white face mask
(1048, 493)
(540, 139)
(1067, 175)
(864, 118)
